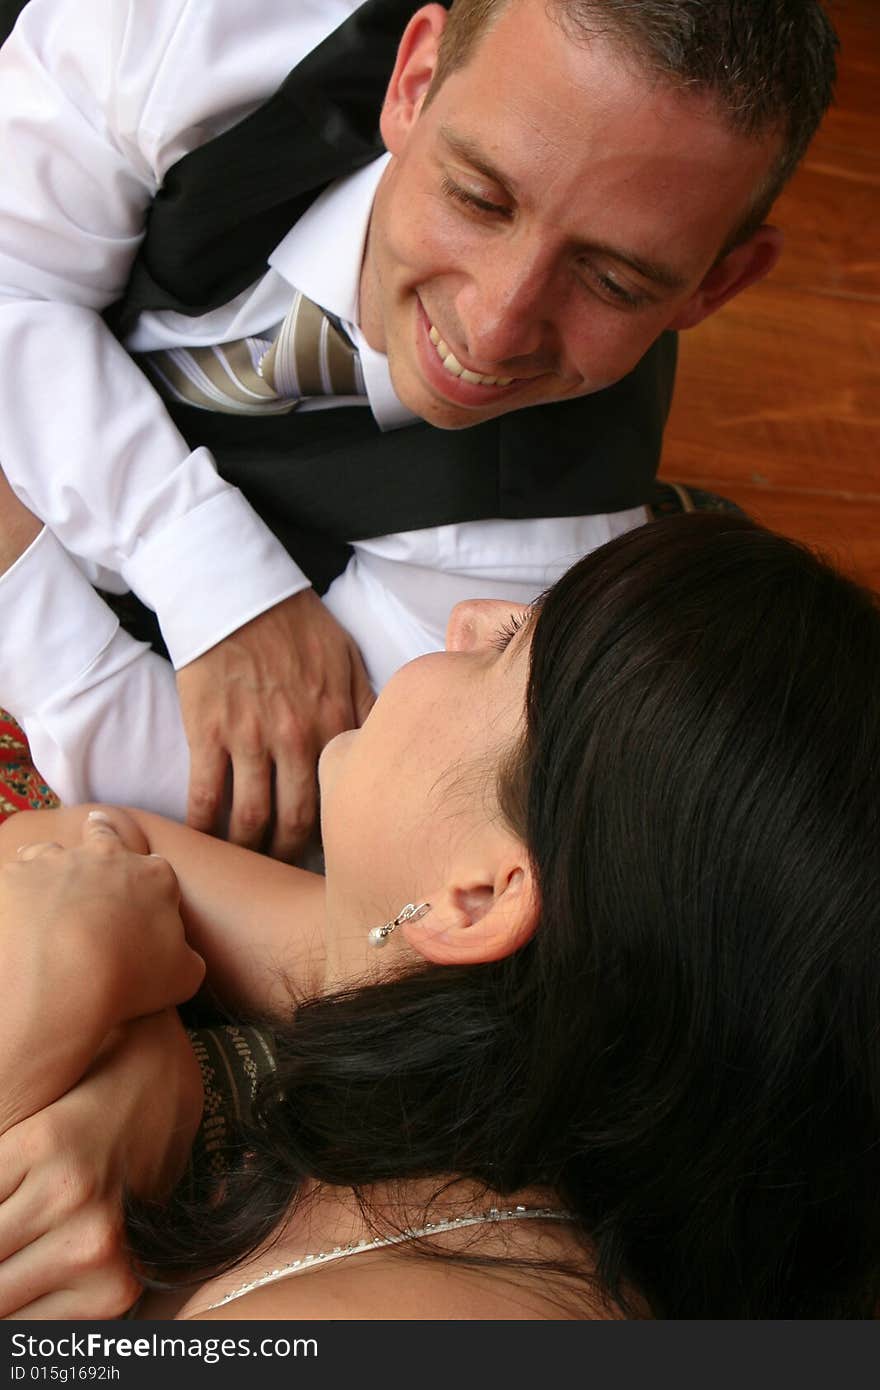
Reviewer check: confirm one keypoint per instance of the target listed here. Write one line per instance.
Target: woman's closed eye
(505, 634)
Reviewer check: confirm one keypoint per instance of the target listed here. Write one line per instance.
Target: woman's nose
(477, 622)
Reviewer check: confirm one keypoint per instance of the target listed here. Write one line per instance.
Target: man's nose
(505, 310)
(476, 622)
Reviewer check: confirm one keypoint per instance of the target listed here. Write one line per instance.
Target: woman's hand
(90, 937)
(128, 1125)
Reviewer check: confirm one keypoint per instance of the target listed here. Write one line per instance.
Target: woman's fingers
(97, 828)
(92, 936)
(98, 825)
(21, 1226)
(39, 1186)
(17, 1228)
(62, 1235)
(34, 851)
(82, 1272)
(88, 1304)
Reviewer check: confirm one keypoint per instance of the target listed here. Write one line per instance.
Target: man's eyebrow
(662, 275)
(659, 274)
(469, 150)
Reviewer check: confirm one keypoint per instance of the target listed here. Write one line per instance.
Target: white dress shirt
(97, 102)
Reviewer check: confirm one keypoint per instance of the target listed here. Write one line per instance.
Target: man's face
(548, 214)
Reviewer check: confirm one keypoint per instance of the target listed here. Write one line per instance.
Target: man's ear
(743, 266)
(411, 78)
(480, 917)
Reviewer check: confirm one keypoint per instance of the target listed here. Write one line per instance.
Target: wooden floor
(778, 397)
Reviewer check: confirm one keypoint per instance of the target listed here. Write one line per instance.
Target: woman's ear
(479, 916)
(412, 75)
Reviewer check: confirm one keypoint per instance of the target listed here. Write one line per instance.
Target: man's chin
(446, 414)
(429, 401)
(447, 402)
(449, 419)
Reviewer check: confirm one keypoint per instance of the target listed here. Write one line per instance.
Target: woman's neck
(454, 1215)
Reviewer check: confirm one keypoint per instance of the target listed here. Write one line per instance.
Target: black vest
(320, 480)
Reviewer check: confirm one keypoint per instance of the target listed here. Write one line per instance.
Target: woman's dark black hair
(688, 1050)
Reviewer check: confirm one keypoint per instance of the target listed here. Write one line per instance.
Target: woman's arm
(259, 924)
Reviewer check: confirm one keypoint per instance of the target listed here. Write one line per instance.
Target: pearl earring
(377, 936)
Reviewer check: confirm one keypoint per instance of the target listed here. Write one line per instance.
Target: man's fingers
(268, 697)
(251, 799)
(363, 696)
(207, 786)
(296, 762)
(296, 805)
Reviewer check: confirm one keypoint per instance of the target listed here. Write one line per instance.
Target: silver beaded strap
(358, 1247)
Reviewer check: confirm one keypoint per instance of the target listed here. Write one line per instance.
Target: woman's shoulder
(389, 1288)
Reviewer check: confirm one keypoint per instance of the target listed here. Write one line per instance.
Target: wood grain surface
(778, 397)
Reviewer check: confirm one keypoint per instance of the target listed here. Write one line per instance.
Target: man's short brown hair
(769, 64)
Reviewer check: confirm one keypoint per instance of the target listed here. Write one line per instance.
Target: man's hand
(127, 1126)
(265, 701)
(90, 937)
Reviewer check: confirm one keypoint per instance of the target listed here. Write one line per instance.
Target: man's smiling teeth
(454, 367)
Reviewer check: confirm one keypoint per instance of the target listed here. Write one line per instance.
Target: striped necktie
(309, 356)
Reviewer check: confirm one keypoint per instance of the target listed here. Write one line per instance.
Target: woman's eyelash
(506, 632)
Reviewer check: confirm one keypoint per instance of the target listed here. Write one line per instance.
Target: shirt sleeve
(85, 138)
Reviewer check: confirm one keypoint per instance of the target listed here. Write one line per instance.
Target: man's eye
(614, 291)
(470, 200)
(618, 291)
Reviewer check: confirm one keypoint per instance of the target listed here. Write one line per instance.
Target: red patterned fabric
(21, 786)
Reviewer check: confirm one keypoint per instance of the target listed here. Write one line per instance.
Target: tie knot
(311, 356)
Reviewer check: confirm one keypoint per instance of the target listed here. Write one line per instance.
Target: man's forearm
(18, 526)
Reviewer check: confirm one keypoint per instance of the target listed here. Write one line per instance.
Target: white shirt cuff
(53, 624)
(209, 572)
